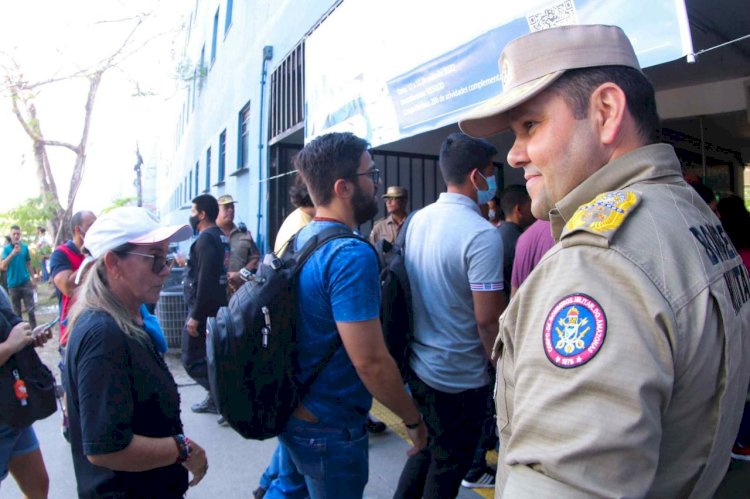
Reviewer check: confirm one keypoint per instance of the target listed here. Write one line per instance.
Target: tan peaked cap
(532, 62)
(226, 199)
(396, 191)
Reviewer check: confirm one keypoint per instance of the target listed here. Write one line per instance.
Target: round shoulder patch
(574, 331)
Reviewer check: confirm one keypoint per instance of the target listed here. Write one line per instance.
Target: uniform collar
(655, 162)
(390, 220)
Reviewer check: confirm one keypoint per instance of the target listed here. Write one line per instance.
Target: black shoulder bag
(27, 386)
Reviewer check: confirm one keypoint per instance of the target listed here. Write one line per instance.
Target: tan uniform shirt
(242, 249)
(386, 228)
(624, 369)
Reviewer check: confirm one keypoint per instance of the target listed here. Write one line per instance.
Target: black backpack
(251, 344)
(395, 305)
(38, 384)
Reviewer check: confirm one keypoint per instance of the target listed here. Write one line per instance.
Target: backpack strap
(320, 239)
(401, 237)
(317, 241)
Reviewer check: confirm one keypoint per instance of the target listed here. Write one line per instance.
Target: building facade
(242, 113)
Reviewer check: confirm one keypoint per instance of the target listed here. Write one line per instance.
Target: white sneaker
(485, 481)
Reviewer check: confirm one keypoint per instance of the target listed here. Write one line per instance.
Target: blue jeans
(281, 478)
(334, 461)
(15, 442)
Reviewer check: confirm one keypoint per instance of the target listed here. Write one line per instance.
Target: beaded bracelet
(183, 447)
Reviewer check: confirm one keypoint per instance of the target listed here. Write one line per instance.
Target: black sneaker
(222, 421)
(205, 407)
(374, 426)
(484, 481)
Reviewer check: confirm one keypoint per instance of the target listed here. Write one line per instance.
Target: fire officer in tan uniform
(243, 253)
(624, 358)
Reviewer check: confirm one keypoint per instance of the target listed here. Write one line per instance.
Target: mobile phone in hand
(47, 329)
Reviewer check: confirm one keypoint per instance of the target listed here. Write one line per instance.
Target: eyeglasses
(159, 261)
(374, 174)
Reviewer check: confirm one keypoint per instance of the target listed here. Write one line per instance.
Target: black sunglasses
(159, 262)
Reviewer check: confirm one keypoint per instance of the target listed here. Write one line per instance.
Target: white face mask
(491, 214)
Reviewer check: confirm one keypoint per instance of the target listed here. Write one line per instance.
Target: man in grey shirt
(454, 262)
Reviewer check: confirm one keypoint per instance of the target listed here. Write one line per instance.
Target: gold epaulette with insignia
(604, 215)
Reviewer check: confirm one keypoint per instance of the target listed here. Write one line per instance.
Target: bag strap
(317, 241)
(320, 239)
(401, 237)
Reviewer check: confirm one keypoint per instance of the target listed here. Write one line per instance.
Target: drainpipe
(267, 56)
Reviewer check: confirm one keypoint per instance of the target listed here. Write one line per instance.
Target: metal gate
(418, 173)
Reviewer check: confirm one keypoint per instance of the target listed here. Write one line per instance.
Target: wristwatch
(245, 274)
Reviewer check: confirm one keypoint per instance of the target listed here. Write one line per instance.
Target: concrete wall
(710, 98)
(230, 83)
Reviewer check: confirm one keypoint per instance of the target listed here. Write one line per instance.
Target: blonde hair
(94, 294)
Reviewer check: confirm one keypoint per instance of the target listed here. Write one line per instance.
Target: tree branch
(57, 143)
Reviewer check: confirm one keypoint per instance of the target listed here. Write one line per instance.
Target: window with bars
(243, 152)
(214, 36)
(197, 176)
(208, 170)
(222, 155)
(287, 99)
(228, 17)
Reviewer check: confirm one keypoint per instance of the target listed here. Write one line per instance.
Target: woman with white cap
(123, 406)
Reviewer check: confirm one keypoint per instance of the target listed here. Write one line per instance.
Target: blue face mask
(483, 197)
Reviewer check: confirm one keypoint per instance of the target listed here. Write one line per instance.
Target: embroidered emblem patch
(605, 213)
(574, 331)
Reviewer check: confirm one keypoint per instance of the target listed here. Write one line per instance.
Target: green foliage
(32, 213)
(120, 202)
(186, 71)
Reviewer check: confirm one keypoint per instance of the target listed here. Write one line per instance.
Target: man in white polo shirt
(454, 260)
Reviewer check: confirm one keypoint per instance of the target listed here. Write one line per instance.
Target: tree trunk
(77, 175)
(47, 186)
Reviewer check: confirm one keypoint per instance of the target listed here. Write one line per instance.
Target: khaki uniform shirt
(386, 228)
(242, 249)
(624, 355)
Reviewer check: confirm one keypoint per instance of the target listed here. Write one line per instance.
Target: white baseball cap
(128, 224)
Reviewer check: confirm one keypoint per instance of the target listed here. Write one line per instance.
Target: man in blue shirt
(327, 437)
(17, 261)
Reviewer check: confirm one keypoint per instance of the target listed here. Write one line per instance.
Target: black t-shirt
(118, 386)
(207, 274)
